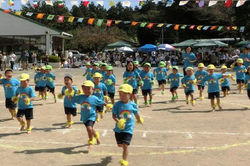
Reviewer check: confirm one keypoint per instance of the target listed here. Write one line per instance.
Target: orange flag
(40, 15)
(109, 22)
(150, 25)
(134, 23)
(176, 27)
(91, 21)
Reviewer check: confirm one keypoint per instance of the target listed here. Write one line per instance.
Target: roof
(12, 25)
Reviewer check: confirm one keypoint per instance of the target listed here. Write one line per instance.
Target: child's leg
(125, 152)
(218, 103)
(22, 123)
(28, 126)
(13, 113)
(96, 135)
(187, 101)
(192, 99)
(150, 98)
(113, 100)
(145, 99)
(176, 94)
(134, 98)
(225, 93)
(68, 120)
(212, 105)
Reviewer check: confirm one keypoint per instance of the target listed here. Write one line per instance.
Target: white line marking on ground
(144, 135)
(65, 131)
(104, 133)
(189, 136)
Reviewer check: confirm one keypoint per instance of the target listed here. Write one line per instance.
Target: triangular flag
(242, 29)
(169, 25)
(40, 15)
(117, 22)
(126, 22)
(74, 2)
(199, 27)
(228, 3)
(182, 3)
(192, 27)
(29, 14)
(35, 4)
(143, 24)
(141, 3)
(24, 2)
(99, 22)
(71, 19)
(1, 1)
(205, 28)
(7, 11)
(18, 13)
(109, 22)
(80, 20)
(112, 3)
(213, 27)
(49, 3)
(60, 18)
(101, 3)
(229, 28)
(212, 3)
(50, 17)
(85, 3)
(169, 3)
(240, 3)
(234, 28)
(60, 3)
(176, 27)
(11, 3)
(160, 25)
(126, 3)
(201, 3)
(150, 25)
(220, 28)
(134, 23)
(183, 26)
(91, 21)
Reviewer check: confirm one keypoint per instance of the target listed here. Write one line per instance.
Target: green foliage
(52, 58)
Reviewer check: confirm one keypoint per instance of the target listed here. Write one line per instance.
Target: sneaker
(55, 98)
(177, 97)
(187, 101)
(163, 92)
(123, 162)
(173, 98)
(29, 130)
(193, 102)
(22, 126)
(201, 98)
(150, 102)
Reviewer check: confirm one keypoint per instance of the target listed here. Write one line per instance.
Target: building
(18, 33)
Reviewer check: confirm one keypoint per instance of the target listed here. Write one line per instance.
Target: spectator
(189, 59)
(12, 59)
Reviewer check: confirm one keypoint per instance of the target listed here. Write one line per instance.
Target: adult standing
(246, 57)
(12, 59)
(24, 60)
(1, 57)
(189, 59)
(34, 58)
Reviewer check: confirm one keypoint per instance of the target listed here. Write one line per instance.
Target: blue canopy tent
(148, 48)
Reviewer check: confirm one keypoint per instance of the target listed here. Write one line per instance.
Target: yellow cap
(224, 67)
(43, 68)
(24, 77)
(201, 65)
(88, 83)
(189, 68)
(239, 60)
(97, 75)
(211, 67)
(126, 88)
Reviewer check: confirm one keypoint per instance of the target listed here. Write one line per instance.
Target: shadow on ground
(105, 161)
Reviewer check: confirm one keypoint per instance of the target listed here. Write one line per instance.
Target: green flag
(143, 24)
(183, 26)
(220, 28)
(50, 17)
(99, 22)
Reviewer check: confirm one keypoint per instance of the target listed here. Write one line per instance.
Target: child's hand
(109, 82)
(140, 83)
(140, 121)
(15, 99)
(26, 101)
(60, 96)
(168, 82)
(152, 83)
(121, 123)
(125, 80)
(106, 99)
(50, 79)
(109, 107)
(79, 92)
(194, 81)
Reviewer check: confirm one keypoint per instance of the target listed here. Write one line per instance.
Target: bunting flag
(240, 3)
(18, 13)
(199, 27)
(85, 3)
(60, 19)
(126, 3)
(183, 26)
(150, 25)
(112, 3)
(101, 3)
(169, 3)
(80, 20)
(134, 23)
(50, 3)
(29, 14)
(184, 2)
(143, 24)
(205, 28)
(60, 3)
(229, 28)
(99, 22)
(220, 28)
(192, 27)
(201, 3)
(7, 11)
(1, 1)
(35, 3)
(141, 3)
(117, 22)
(11, 3)
(160, 25)
(109, 22)
(24, 2)
(228, 3)
(50, 17)
(74, 2)
(91, 21)
(169, 25)
(71, 19)
(40, 16)
(176, 27)
(234, 28)
(242, 29)
(126, 22)
(213, 28)
(212, 3)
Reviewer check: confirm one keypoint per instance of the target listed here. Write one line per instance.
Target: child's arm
(115, 118)
(139, 119)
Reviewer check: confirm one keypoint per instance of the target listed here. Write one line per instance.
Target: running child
(247, 81)
(40, 82)
(148, 81)
(123, 114)
(95, 69)
(24, 97)
(88, 104)
(88, 72)
(161, 75)
(188, 83)
(225, 84)
(10, 86)
(199, 75)
(137, 69)
(174, 80)
(103, 70)
(132, 78)
(50, 82)
(110, 81)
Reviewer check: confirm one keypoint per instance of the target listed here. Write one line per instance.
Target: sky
(18, 4)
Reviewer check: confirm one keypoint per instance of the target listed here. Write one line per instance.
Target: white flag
(24, 2)
(126, 3)
(182, 3)
(240, 3)
(74, 2)
(49, 3)
(211, 3)
(100, 3)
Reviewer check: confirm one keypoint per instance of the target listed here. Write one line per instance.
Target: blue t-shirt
(41, 79)
(27, 92)
(188, 80)
(240, 72)
(225, 81)
(161, 73)
(147, 78)
(174, 79)
(131, 78)
(48, 83)
(199, 75)
(187, 58)
(99, 90)
(111, 88)
(67, 102)
(247, 81)
(88, 106)
(103, 75)
(10, 87)
(244, 57)
(126, 111)
(213, 82)
(89, 74)
(138, 70)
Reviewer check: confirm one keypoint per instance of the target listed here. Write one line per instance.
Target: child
(122, 114)
(50, 84)
(148, 82)
(161, 75)
(24, 97)
(89, 103)
(188, 83)
(10, 86)
(240, 70)
(40, 81)
(213, 86)
(137, 69)
(88, 71)
(131, 77)
(247, 81)
(225, 86)
(69, 91)
(95, 69)
(199, 75)
(110, 82)
(174, 80)
(100, 90)
(103, 70)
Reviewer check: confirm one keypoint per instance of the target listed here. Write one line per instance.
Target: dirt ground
(173, 133)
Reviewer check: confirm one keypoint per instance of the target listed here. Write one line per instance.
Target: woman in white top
(12, 59)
